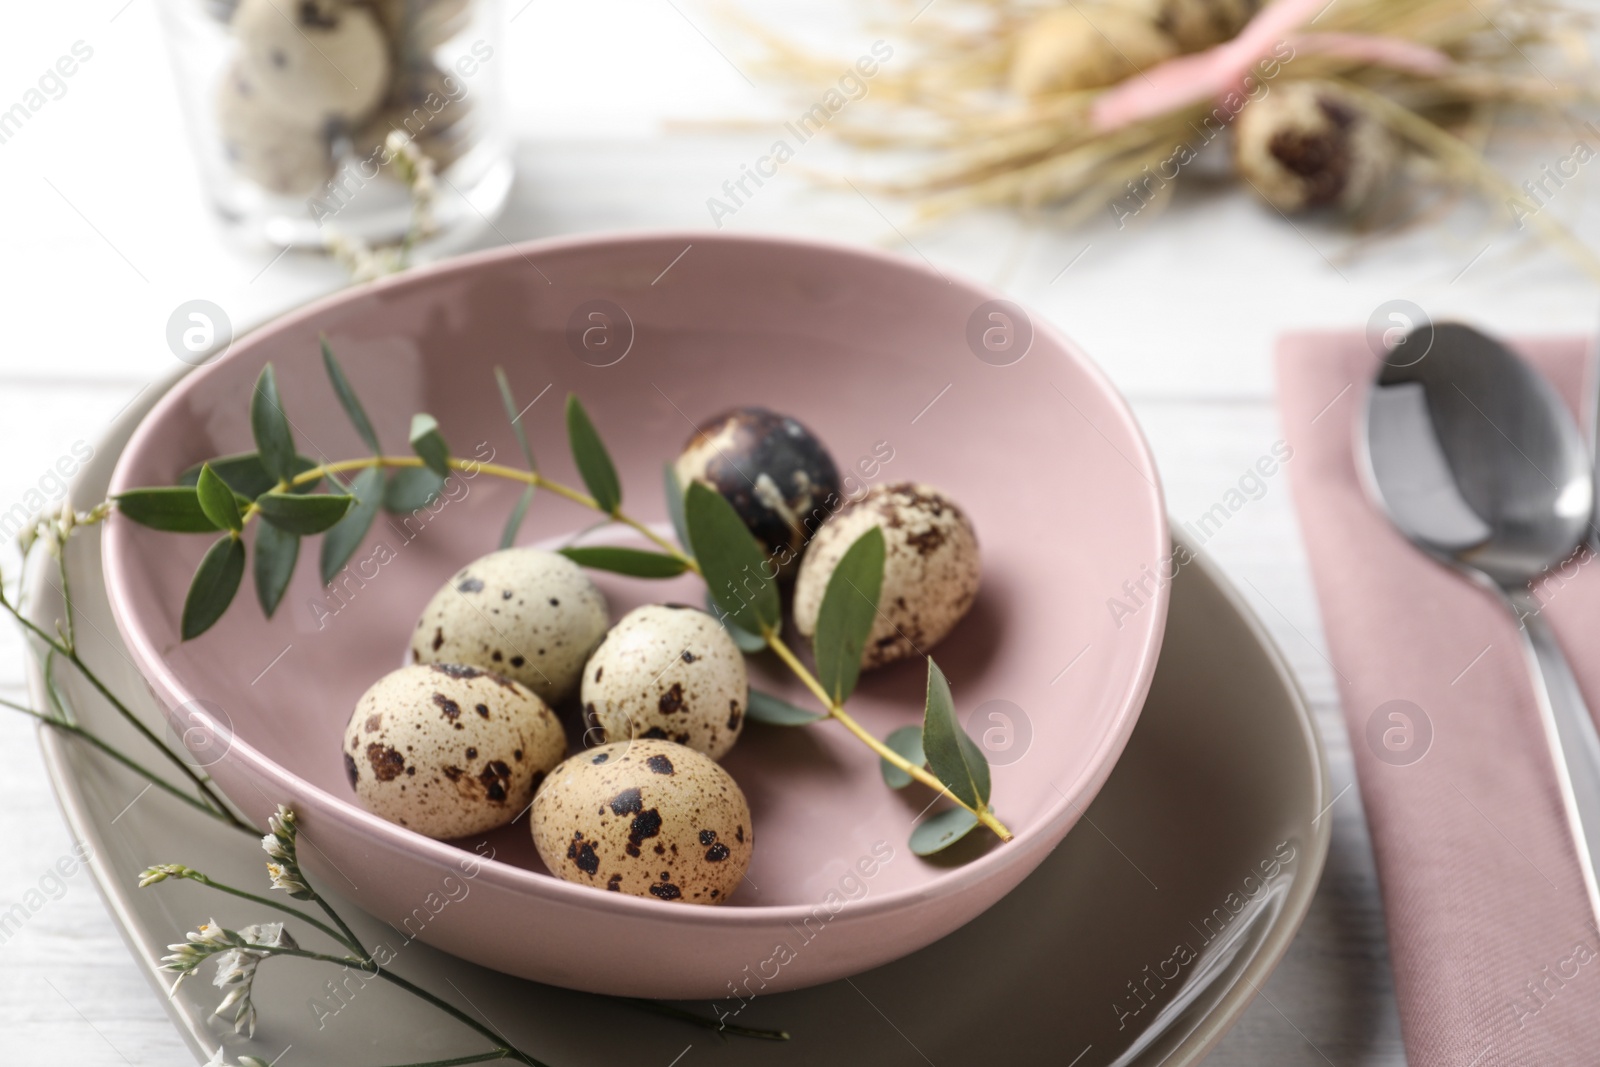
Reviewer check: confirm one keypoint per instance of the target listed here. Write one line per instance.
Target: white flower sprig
(197, 947)
(236, 968)
(417, 170)
(283, 863)
(55, 528)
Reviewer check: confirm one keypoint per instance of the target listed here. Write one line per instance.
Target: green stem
(482, 1057)
(350, 937)
(222, 810)
(667, 1010)
(268, 902)
(374, 969)
(69, 623)
(498, 470)
(836, 711)
(144, 772)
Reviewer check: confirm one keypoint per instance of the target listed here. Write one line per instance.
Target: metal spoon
(1477, 461)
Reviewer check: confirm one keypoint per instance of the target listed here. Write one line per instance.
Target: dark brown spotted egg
(774, 471)
(1310, 144)
(648, 818)
(449, 750)
(667, 672)
(531, 615)
(930, 568)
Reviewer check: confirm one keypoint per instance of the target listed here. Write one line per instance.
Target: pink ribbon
(1214, 73)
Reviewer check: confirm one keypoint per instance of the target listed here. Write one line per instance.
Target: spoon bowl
(1476, 459)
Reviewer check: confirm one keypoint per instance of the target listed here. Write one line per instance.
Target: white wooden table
(105, 232)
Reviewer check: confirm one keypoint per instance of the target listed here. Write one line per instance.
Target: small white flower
(160, 873)
(237, 968)
(283, 865)
(66, 519)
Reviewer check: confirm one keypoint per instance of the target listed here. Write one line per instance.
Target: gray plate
(1139, 941)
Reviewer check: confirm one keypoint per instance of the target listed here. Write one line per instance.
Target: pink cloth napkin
(1496, 955)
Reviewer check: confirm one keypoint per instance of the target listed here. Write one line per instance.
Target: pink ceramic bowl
(880, 356)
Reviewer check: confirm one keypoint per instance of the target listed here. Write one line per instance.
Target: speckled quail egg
(530, 615)
(648, 818)
(774, 471)
(670, 672)
(1196, 24)
(449, 750)
(1309, 144)
(278, 156)
(319, 64)
(430, 107)
(1072, 47)
(930, 568)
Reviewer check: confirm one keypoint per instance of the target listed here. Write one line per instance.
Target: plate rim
(999, 862)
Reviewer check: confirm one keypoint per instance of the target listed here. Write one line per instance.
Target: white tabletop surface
(105, 232)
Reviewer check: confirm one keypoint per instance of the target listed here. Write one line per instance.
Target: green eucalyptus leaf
(731, 559)
(428, 442)
(347, 398)
(764, 707)
(270, 427)
(746, 641)
(172, 510)
(630, 561)
(345, 536)
(276, 553)
(411, 489)
(218, 501)
(514, 416)
(246, 476)
(214, 585)
(673, 488)
(939, 832)
(508, 536)
(953, 757)
(907, 744)
(303, 515)
(594, 462)
(849, 608)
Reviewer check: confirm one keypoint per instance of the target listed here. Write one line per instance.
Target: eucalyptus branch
(277, 484)
(835, 711)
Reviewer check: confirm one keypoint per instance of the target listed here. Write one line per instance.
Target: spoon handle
(1570, 731)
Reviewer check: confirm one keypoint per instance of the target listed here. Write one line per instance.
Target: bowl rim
(1025, 849)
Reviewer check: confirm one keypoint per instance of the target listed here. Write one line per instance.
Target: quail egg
(670, 672)
(427, 105)
(774, 471)
(531, 615)
(278, 156)
(449, 750)
(318, 63)
(1311, 144)
(648, 818)
(930, 568)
